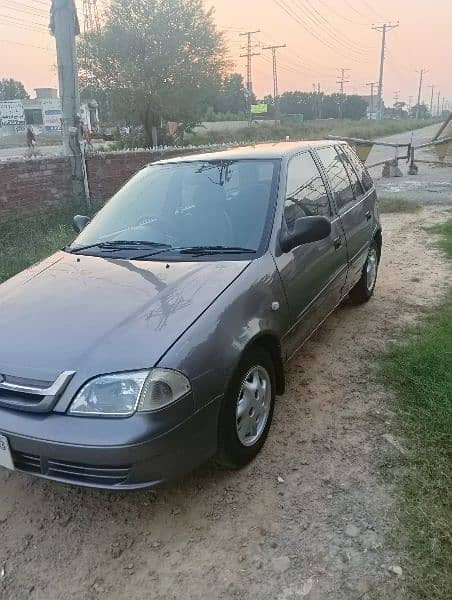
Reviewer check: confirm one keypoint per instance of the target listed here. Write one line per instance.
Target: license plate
(6, 460)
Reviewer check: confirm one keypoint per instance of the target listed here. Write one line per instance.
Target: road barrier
(442, 146)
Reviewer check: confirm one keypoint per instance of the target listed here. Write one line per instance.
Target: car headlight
(123, 394)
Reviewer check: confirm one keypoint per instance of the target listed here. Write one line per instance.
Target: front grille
(69, 471)
(27, 462)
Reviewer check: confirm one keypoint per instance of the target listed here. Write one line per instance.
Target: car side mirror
(305, 231)
(80, 222)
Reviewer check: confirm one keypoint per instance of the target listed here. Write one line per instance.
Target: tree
(232, 95)
(157, 59)
(10, 89)
(420, 110)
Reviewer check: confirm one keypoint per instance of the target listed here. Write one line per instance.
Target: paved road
(433, 184)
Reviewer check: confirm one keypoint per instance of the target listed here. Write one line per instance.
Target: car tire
(364, 289)
(242, 429)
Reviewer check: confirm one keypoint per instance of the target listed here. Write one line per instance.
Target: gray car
(158, 338)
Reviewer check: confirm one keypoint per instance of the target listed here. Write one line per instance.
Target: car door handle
(368, 215)
(337, 243)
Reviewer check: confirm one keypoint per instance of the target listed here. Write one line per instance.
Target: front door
(314, 274)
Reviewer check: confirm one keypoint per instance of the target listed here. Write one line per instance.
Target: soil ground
(306, 519)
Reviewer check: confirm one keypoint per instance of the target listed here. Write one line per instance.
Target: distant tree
(231, 97)
(155, 59)
(424, 112)
(354, 107)
(10, 89)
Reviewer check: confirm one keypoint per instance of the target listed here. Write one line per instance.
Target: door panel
(354, 206)
(313, 275)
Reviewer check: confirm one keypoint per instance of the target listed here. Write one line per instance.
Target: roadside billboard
(12, 113)
(51, 112)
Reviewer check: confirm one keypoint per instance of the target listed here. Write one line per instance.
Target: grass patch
(419, 370)
(308, 130)
(445, 231)
(397, 204)
(29, 239)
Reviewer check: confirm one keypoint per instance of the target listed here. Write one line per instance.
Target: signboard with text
(259, 109)
(12, 113)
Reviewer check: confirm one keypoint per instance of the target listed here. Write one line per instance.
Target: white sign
(12, 113)
(51, 109)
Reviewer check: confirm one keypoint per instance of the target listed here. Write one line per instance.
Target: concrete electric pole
(65, 27)
(431, 99)
(372, 105)
(437, 107)
(275, 77)
(384, 30)
(341, 81)
(422, 72)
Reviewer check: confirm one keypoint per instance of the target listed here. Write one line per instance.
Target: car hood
(95, 315)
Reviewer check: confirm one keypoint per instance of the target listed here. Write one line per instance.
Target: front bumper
(144, 461)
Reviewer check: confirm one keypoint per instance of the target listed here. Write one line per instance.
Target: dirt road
(306, 519)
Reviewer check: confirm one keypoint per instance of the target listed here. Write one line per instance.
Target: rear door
(313, 274)
(354, 206)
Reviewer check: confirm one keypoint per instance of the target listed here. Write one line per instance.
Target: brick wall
(31, 186)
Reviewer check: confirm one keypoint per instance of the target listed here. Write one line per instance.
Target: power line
(283, 6)
(384, 30)
(323, 23)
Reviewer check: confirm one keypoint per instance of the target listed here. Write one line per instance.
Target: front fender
(210, 350)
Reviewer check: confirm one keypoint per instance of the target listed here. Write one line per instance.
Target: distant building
(43, 113)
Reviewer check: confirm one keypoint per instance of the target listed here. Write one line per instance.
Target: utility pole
(372, 87)
(431, 99)
(91, 23)
(249, 56)
(410, 102)
(437, 108)
(385, 28)
(275, 77)
(65, 27)
(341, 81)
(422, 72)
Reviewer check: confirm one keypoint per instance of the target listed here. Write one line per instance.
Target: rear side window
(356, 184)
(337, 176)
(306, 194)
(361, 171)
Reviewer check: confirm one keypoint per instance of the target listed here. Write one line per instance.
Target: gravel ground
(306, 519)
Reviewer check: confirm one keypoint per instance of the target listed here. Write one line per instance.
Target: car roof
(273, 151)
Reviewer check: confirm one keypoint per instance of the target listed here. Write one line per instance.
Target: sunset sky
(322, 36)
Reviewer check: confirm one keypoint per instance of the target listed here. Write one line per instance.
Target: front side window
(189, 205)
(306, 194)
(337, 176)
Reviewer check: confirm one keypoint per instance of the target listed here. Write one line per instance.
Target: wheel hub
(253, 405)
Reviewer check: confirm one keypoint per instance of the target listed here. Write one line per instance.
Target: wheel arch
(270, 342)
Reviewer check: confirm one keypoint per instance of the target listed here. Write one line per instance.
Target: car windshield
(182, 207)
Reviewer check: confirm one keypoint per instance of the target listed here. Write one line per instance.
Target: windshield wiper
(117, 245)
(206, 250)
